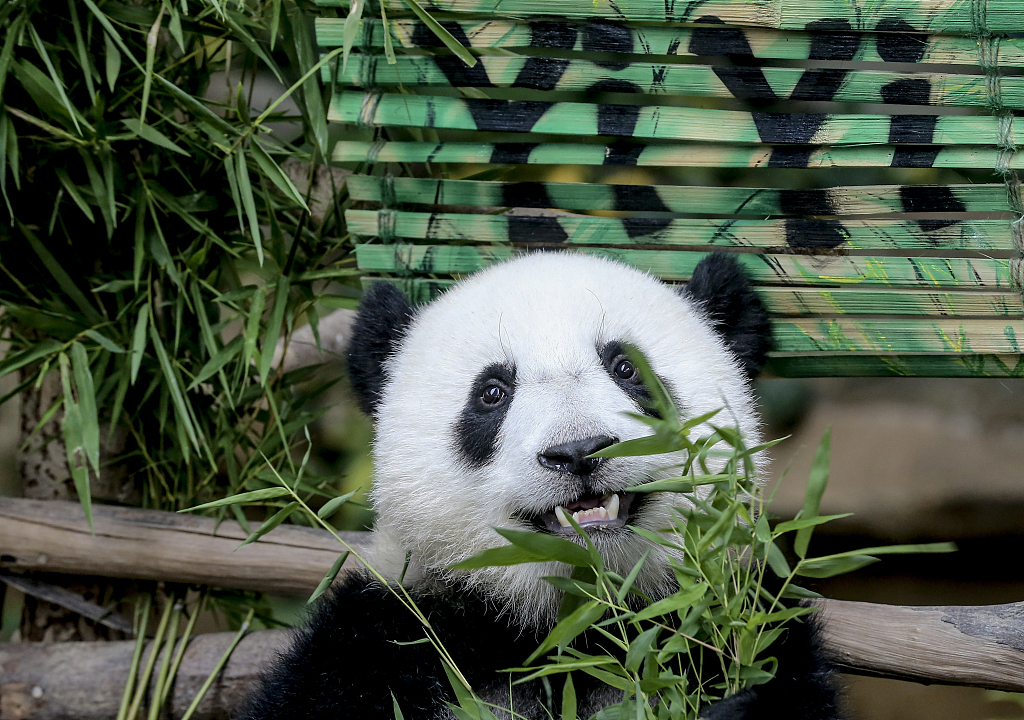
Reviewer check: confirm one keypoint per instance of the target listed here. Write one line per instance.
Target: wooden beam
(53, 536)
(85, 680)
(978, 646)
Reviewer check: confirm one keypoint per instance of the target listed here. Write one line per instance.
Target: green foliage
(715, 634)
(156, 250)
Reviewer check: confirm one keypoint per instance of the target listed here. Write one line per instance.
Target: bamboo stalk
(902, 336)
(666, 155)
(895, 365)
(799, 234)
(951, 16)
(648, 121)
(802, 270)
(756, 202)
(660, 79)
(817, 301)
(661, 40)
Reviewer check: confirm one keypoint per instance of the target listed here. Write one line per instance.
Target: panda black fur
(486, 403)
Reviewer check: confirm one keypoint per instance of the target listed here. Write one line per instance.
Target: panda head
(488, 400)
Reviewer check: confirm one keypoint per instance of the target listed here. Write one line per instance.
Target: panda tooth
(560, 514)
(612, 507)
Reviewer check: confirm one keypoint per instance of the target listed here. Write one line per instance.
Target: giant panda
(487, 403)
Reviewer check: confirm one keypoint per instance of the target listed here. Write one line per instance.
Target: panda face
(492, 398)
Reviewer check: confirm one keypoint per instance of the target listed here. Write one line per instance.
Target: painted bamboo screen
(563, 132)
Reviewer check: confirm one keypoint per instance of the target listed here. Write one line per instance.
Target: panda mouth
(591, 511)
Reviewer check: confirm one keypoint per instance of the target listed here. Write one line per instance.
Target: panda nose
(571, 457)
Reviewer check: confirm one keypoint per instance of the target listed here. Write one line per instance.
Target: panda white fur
(487, 402)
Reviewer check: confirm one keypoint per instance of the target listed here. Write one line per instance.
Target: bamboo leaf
(568, 690)
(221, 358)
(446, 37)
(352, 22)
(183, 416)
(83, 52)
(151, 134)
(87, 405)
(112, 60)
(139, 340)
(61, 276)
(279, 517)
(274, 327)
(332, 505)
(39, 350)
(817, 481)
(249, 203)
(11, 39)
(246, 497)
(58, 84)
(329, 577)
(72, 191)
(152, 37)
(252, 324)
(276, 175)
(103, 341)
(73, 444)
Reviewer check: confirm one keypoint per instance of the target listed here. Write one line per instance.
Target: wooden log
(85, 680)
(147, 544)
(979, 646)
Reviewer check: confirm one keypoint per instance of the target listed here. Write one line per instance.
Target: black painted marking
(812, 201)
(544, 73)
(608, 37)
(524, 229)
(815, 234)
(832, 40)
(500, 115)
(553, 35)
(476, 432)
(512, 153)
(535, 229)
(623, 152)
(640, 198)
(907, 91)
(921, 198)
(899, 41)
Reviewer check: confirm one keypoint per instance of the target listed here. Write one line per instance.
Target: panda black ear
(384, 316)
(721, 289)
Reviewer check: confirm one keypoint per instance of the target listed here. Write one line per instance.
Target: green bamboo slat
(669, 40)
(702, 155)
(816, 301)
(905, 335)
(909, 302)
(590, 230)
(828, 270)
(652, 121)
(370, 71)
(757, 202)
(969, 17)
(896, 365)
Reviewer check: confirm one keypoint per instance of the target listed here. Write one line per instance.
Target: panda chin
(591, 512)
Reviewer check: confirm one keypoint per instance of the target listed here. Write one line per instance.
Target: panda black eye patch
(476, 432)
(621, 369)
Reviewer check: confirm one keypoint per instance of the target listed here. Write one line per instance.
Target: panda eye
(624, 369)
(492, 394)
